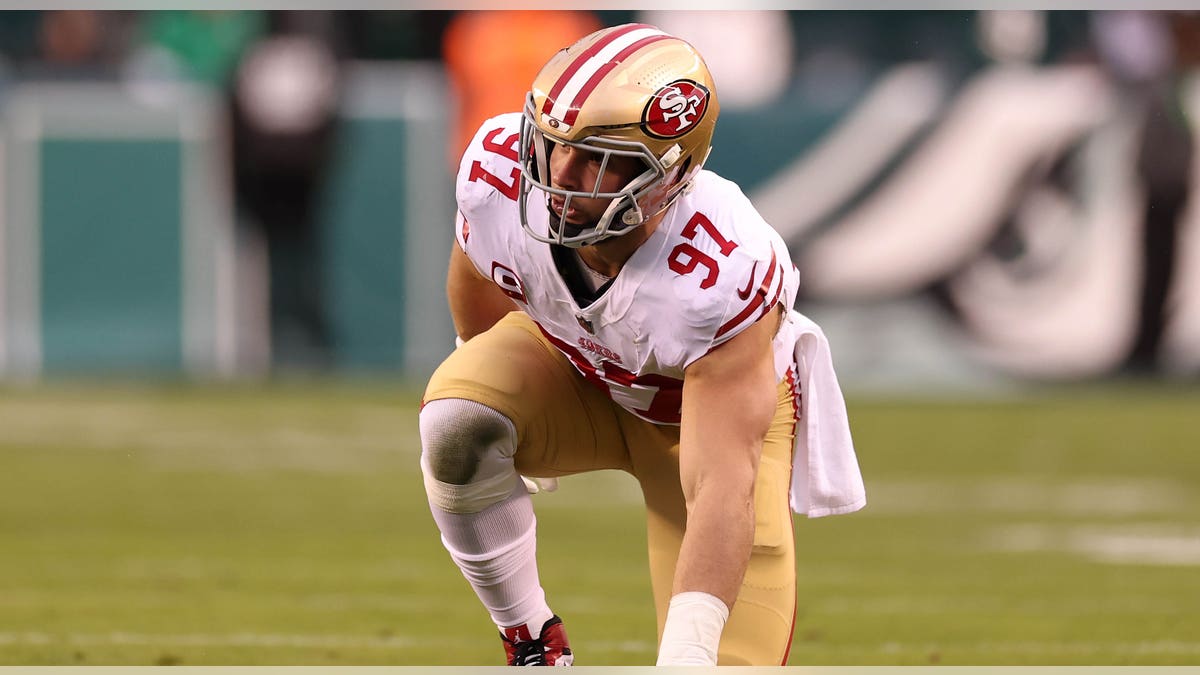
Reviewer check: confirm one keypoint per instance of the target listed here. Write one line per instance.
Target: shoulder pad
(756, 272)
(489, 173)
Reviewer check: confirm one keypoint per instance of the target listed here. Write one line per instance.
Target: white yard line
(1125, 544)
(228, 640)
(1084, 496)
(288, 640)
(276, 640)
(1027, 647)
(978, 605)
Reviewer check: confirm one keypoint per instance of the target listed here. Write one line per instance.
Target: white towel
(826, 479)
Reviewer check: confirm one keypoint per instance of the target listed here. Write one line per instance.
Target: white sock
(496, 550)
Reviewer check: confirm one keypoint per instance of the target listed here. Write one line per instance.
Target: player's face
(572, 168)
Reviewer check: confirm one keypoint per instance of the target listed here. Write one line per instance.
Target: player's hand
(536, 485)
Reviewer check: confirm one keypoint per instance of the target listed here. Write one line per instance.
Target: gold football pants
(565, 425)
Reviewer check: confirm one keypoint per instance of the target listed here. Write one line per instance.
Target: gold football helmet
(629, 90)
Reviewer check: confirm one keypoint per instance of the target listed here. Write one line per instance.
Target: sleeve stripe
(760, 298)
(778, 292)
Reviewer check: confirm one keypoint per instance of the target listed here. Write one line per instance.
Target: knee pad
(467, 453)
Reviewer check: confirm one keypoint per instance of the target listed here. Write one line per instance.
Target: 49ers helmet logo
(675, 109)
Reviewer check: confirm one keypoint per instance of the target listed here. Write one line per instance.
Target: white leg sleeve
(466, 455)
(482, 508)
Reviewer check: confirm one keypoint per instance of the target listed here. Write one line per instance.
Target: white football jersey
(710, 270)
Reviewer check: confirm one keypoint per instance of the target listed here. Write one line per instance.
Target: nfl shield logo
(585, 324)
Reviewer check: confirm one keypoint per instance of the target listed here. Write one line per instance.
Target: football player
(619, 307)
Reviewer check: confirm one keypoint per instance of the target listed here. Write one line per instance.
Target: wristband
(692, 631)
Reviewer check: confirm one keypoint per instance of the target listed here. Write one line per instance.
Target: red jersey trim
(759, 299)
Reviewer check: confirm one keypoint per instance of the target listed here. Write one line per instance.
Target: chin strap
(632, 216)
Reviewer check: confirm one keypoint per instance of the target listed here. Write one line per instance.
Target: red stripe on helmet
(595, 79)
(583, 58)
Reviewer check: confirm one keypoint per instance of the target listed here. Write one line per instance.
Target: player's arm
(729, 399)
(476, 303)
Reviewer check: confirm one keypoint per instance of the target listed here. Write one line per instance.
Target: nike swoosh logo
(744, 293)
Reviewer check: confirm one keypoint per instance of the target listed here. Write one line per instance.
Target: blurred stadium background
(223, 237)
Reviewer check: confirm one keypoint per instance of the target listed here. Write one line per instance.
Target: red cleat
(549, 648)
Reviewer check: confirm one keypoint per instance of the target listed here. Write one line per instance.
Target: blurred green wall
(123, 254)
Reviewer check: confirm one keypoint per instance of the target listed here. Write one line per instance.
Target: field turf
(287, 525)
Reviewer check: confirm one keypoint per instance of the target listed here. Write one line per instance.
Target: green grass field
(288, 526)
